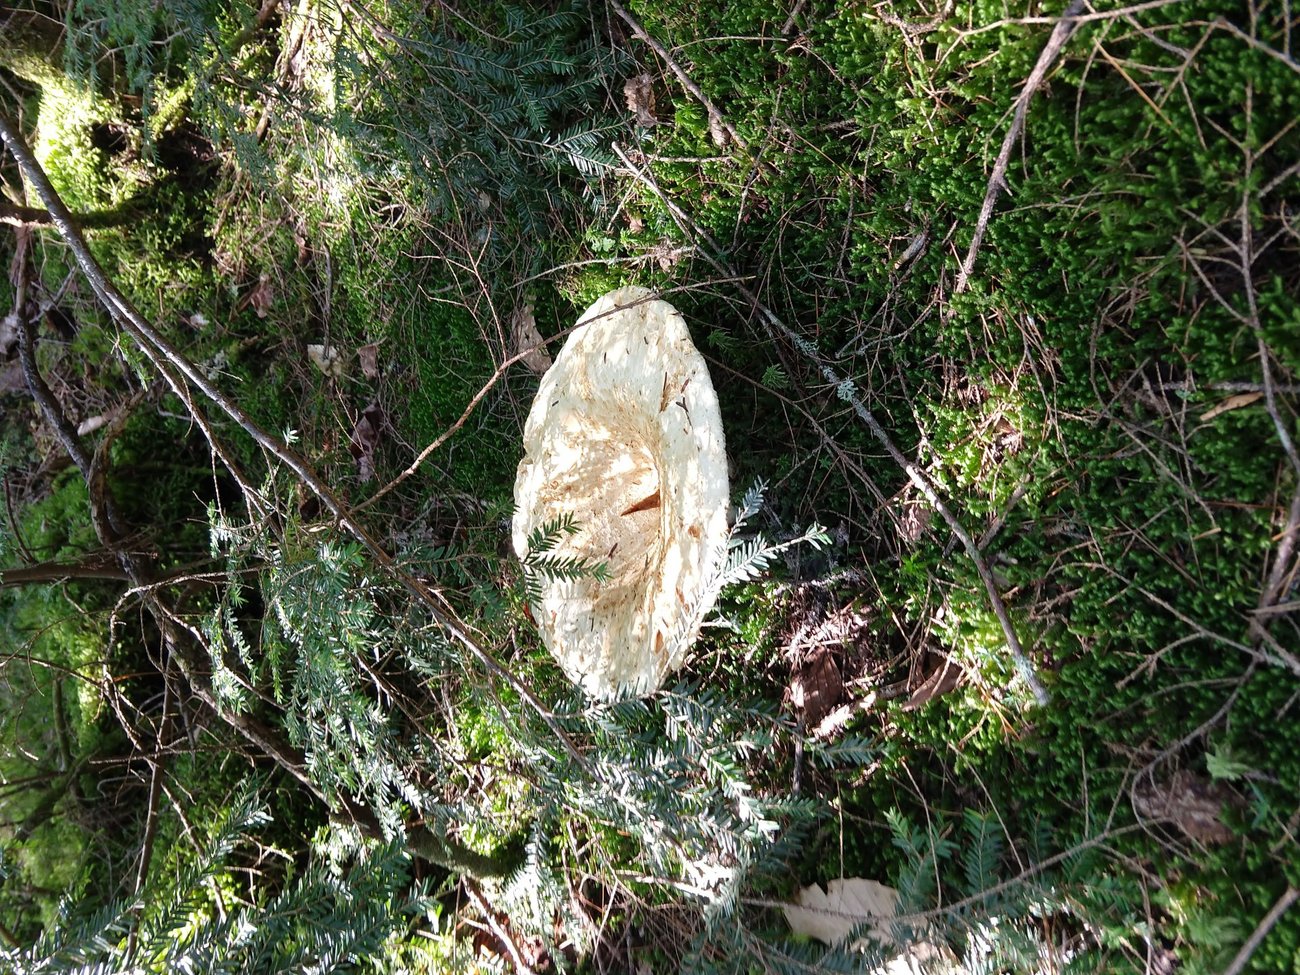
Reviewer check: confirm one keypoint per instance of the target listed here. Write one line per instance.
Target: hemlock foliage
(279, 752)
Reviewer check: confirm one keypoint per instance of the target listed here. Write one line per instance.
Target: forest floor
(1004, 298)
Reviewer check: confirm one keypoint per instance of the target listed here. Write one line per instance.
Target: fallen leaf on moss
(365, 437)
(524, 337)
(260, 298)
(816, 686)
(1231, 403)
(1189, 802)
(945, 678)
(640, 94)
(368, 356)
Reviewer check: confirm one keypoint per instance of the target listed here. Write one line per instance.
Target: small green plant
(540, 565)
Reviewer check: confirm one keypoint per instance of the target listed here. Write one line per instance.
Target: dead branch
(470, 407)
(847, 391)
(1065, 26)
(1258, 45)
(180, 374)
(1282, 574)
(14, 215)
(185, 645)
(95, 565)
(1088, 18)
(1266, 924)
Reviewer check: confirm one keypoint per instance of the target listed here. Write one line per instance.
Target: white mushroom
(626, 437)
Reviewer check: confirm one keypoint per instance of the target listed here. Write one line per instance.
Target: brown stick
(1266, 924)
(183, 641)
(95, 565)
(179, 371)
(14, 215)
(847, 391)
(997, 182)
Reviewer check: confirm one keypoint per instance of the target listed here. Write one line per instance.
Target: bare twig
(1266, 923)
(1065, 26)
(1230, 386)
(184, 643)
(14, 215)
(1089, 18)
(847, 391)
(1279, 577)
(96, 565)
(446, 435)
(157, 764)
(1257, 44)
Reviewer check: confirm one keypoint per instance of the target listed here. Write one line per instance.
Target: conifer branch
(182, 641)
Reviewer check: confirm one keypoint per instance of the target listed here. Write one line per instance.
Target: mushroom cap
(625, 435)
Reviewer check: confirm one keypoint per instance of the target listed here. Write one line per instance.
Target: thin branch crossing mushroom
(626, 437)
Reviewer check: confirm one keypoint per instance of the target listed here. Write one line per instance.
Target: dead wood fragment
(1192, 804)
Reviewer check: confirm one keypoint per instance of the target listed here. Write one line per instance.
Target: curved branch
(847, 391)
(171, 362)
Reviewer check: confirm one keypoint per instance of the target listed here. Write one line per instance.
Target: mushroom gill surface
(625, 436)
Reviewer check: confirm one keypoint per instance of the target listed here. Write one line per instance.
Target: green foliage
(1024, 398)
(331, 918)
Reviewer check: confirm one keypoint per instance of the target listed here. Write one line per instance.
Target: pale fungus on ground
(626, 437)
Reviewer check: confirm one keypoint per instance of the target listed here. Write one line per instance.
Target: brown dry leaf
(916, 519)
(1231, 403)
(946, 677)
(666, 254)
(640, 94)
(1192, 804)
(260, 298)
(365, 438)
(304, 249)
(525, 337)
(327, 359)
(368, 356)
(816, 687)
